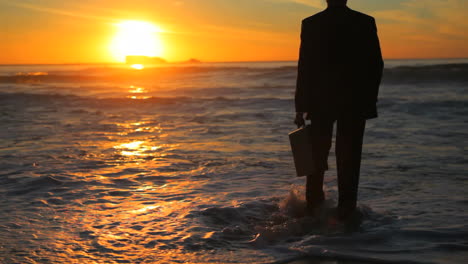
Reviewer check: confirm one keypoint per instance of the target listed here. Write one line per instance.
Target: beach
(191, 163)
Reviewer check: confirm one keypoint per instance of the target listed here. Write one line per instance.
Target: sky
(66, 31)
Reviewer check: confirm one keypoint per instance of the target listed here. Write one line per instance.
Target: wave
(18, 98)
(369, 237)
(109, 74)
(457, 72)
(454, 72)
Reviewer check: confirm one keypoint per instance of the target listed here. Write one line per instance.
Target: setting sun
(224, 131)
(136, 38)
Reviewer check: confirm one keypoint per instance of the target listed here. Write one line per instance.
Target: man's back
(340, 68)
(340, 64)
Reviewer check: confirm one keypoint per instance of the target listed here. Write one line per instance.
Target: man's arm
(376, 61)
(301, 84)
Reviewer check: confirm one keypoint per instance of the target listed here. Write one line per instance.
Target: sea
(191, 163)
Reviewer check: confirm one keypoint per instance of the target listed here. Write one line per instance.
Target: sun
(138, 38)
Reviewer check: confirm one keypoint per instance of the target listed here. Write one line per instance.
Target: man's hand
(299, 120)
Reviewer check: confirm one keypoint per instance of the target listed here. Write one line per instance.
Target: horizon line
(185, 62)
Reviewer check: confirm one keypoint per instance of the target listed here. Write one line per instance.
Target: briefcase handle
(307, 123)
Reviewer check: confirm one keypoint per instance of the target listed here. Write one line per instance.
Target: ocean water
(192, 164)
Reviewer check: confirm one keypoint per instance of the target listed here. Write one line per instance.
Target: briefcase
(302, 150)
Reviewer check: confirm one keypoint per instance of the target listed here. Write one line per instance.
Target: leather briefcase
(302, 150)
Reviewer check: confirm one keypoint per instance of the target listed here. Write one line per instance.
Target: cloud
(445, 18)
(211, 31)
(320, 4)
(312, 3)
(425, 28)
(58, 11)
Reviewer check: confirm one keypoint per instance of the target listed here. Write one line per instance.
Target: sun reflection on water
(134, 89)
(139, 97)
(138, 90)
(131, 145)
(136, 148)
(132, 201)
(146, 208)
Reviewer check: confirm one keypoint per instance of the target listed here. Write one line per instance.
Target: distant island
(192, 60)
(137, 59)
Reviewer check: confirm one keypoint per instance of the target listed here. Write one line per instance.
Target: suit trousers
(348, 149)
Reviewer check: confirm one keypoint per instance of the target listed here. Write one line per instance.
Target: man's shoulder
(313, 18)
(361, 16)
(354, 14)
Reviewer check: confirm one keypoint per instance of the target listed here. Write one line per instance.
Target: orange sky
(57, 31)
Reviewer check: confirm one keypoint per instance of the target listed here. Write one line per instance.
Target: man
(339, 73)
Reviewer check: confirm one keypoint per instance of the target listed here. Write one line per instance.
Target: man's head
(337, 2)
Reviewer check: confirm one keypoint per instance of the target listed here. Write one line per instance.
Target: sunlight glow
(132, 145)
(137, 148)
(139, 97)
(137, 38)
(137, 93)
(144, 209)
(137, 90)
(138, 66)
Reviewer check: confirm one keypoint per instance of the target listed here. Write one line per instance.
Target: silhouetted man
(339, 73)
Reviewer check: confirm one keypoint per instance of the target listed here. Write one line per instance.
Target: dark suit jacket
(340, 65)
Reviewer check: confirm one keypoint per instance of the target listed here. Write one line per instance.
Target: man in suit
(339, 73)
